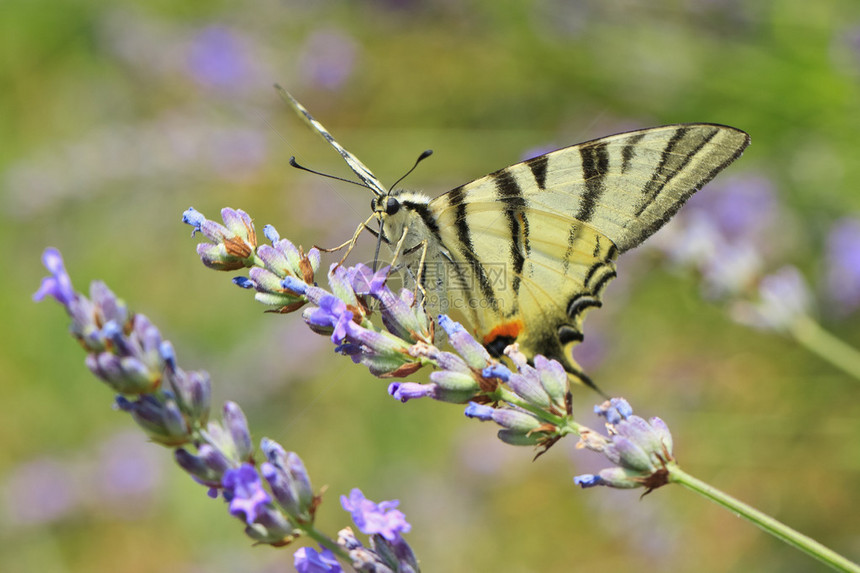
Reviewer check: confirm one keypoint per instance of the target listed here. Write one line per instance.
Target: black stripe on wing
(511, 196)
(457, 199)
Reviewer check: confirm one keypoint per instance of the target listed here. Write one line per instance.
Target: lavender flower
(641, 450)
(720, 234)
(232, 243)
(328, 58)
(388, 550)
(372, 518)
(58, 285)
(243, 489)
(134, 360)
(784, 298)
(843, 264)
(289, 481)
(309, 560)
(218, 58)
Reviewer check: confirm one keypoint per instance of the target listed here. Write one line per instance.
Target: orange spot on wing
(505, 330)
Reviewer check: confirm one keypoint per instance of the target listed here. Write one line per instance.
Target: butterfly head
(385, 205)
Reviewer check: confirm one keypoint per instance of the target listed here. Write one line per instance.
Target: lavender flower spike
(372, 518)
(641, 450)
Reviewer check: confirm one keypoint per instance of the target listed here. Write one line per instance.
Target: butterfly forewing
(532, 245)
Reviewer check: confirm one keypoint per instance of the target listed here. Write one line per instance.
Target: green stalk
(765, 522)
(817, 340)
(325, 541)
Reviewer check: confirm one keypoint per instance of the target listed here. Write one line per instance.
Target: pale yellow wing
(532, 245)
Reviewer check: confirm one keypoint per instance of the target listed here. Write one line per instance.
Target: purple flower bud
(443, 360)
(239, 223)
(614, 410)
(193, 217)
(610, 477)
(469, 348)
(244, 282)
(587, 480)
(662, 431)
(276, 261)
(399, 315)
(214, 459)
(497, 370)
(405, 391)
(244, 491)
(375, 345)
(515, 420)
(457, 381)
(526, 384)
(628, 455)
(107, 305)
(308, 560)
(198, 467)
(479, 411)
(295, 285)
(58, 285)
(168, 354)
(372, 518)
(216, 257)
(288, 479)
(339, 281)
(237, 425)
(553, 378)
(517, 438)
(271, 233)
(367, 282)
(160, 419)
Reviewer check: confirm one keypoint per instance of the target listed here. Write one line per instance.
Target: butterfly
(524, 252)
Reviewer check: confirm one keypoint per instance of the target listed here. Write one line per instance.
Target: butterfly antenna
(424, 155)
(296, 164)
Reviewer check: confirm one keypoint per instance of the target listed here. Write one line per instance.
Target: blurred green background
(116, 116)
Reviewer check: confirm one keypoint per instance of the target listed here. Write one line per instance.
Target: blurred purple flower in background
(130, 470)
(39, 491)
(327, 59)
(843, 264)
(121, 481)
(742, 207)
(725, 234)
(217, 57)
(783, 299)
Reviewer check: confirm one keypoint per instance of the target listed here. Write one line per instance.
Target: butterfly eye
(392, 207)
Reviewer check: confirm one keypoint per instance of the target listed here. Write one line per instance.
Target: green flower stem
(325, 541)
(817, 340)
(765, 522)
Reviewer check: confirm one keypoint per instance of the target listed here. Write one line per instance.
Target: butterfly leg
(419, 280)
(350, 243)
